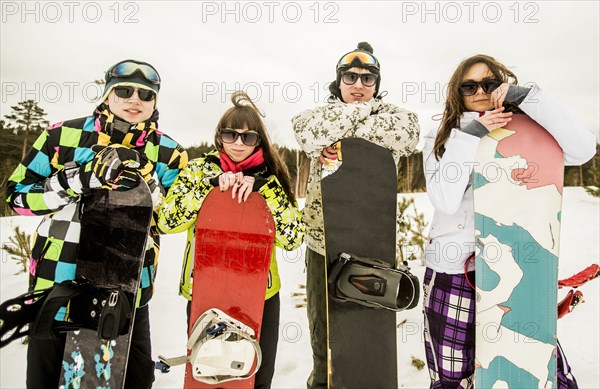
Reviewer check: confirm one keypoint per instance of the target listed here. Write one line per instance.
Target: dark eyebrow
(483, 79)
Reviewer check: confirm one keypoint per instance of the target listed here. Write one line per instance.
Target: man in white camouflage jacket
(355, 110)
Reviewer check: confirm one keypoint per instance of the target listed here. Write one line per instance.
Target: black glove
(115, 166)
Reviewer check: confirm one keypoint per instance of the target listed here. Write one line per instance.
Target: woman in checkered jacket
(61, 166)
(481, 93)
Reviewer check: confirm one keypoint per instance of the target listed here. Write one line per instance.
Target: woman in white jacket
(482, 96)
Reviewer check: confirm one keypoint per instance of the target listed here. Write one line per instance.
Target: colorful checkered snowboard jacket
(30, 191)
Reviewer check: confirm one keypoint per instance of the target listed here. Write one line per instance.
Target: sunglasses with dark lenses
(469, 88)
(364, 57)
(127, 68)
(228, 135)
(367, 79)
(126, 92)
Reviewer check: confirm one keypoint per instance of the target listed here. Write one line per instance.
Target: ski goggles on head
(126, 92)
(469, 88)
(367, 79)
(128, 68)
(227, 135)
(365, 58)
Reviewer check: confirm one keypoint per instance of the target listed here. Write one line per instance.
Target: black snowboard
(359, 211)
(114, 230)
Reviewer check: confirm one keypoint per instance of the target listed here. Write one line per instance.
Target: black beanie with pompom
(334, 87)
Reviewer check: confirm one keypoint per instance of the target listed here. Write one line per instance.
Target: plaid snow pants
(449, 331)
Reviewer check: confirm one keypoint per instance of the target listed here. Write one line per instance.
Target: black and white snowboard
(114, 230)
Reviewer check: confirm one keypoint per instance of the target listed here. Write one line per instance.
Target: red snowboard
(233, 250)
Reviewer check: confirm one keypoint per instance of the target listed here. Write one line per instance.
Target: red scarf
(252, 161)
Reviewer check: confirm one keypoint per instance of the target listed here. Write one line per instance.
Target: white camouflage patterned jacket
(387, 125)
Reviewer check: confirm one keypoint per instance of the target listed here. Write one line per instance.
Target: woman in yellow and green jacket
(244, 160)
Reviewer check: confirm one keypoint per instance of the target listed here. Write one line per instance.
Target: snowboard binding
(103, 309)
(589, 273)
(568, 304)
(372, 283)
(222, 349)
(17, 313)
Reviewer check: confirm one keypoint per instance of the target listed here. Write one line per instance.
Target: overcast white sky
(284, 53)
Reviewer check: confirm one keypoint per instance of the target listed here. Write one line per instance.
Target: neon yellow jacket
(180, 208)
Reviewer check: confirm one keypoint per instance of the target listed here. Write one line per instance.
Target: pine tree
(19, 249)
(593, 187)
(411, 226)
(196, 151)
(11, 141)
(27, 116)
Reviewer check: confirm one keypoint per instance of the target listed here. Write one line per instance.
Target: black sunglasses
(126, 92)
(228, 135)
(367, 79)
(469, 88)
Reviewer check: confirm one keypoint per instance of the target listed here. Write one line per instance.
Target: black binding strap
(42, 327)
(373, 283)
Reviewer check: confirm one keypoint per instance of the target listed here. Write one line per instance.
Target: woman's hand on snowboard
(243, 187)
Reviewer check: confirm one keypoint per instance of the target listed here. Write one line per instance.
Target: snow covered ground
(578, 332)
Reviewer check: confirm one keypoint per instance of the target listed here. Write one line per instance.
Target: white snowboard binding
(222, 349)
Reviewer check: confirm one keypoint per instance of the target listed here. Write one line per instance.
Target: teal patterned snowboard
(518, 182)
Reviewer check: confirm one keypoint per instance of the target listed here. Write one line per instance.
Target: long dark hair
(455, 104)
(244, 113)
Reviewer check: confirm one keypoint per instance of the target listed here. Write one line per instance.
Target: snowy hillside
(578, 332)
